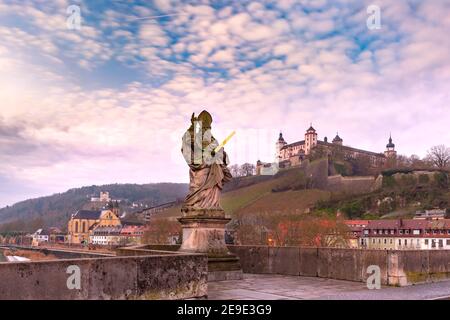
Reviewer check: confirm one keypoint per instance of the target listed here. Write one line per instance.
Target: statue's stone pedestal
(204, 232)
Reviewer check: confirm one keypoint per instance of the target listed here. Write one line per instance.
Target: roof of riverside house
(132, 224)
(88, 214)
(409, 224)
(357, 222)
(108, 229)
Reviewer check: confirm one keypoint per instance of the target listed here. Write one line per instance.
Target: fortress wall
(396, 267)
(351, 185)
(317, 173)
(138, 277)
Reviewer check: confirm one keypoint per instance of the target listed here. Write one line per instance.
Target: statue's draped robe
(207, 174)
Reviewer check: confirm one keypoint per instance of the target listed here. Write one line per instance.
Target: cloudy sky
(108, 102)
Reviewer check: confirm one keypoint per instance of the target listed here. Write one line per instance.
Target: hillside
(56, 209)
(284, 193)
(399, 194)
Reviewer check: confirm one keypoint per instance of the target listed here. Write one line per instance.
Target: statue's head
(205, 118)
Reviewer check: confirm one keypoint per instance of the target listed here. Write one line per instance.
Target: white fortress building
(292, 154)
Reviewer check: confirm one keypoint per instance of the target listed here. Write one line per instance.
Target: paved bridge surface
(280, 287)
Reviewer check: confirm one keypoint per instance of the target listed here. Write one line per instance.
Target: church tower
(390, 149)
(310, 139)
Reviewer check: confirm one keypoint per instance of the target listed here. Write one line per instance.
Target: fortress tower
(310, 139)
(338, 140)
(280, 143)
(390, 149)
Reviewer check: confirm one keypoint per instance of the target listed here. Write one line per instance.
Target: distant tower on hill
(390, 149)
(280, 143)
(310, 139)
(338, 140)
(104, 197)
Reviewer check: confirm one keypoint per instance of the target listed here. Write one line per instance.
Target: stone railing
(159, 276)
(397, 268)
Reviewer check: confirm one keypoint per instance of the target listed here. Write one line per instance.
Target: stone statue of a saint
(207, 166)
(203, 221)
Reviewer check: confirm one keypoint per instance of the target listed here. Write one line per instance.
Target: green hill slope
(399, 196)
(256, 194)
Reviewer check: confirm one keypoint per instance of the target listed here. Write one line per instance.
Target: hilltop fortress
(293, 154)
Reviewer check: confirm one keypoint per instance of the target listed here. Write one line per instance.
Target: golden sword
(220, 146)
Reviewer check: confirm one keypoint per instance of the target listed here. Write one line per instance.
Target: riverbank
(26, 255)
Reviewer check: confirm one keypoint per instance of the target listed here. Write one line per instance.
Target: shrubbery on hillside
(441, 180)
(353, 209)
(296, 180)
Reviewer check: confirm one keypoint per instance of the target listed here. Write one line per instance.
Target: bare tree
(415, 161)
(439, 156)
(247, 169)
(160, 230)
(402, 161)
(234, 169)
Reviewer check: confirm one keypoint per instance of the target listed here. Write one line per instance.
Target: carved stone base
(204, 232)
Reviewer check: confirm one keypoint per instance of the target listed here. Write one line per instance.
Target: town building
(84, 221)
(293, 154)
(104, 197)
(40, 236)
(356, 228)
(106, 235)
(433, 214)
(408, 234)
(132, 233)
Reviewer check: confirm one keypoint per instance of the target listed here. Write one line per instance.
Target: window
(385, 241)
(390, 241)
(399, 242)
(400, 231)
(406, 242)
(426, 241)
(416, 232)
(406, 231)
(392, 232)
(76, 226)
(448, 242)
